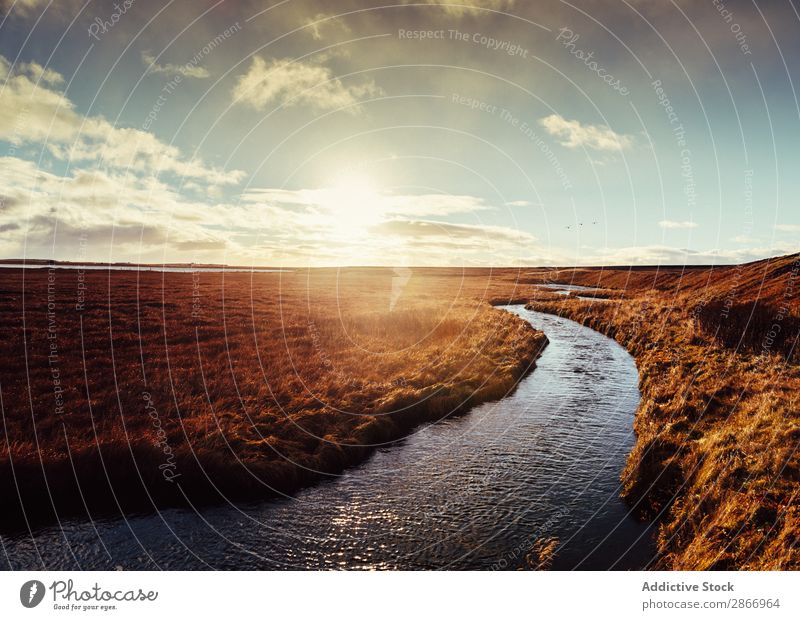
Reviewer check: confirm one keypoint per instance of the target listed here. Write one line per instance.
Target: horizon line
(43, 262)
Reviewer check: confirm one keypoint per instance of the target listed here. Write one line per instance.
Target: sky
(478, 133)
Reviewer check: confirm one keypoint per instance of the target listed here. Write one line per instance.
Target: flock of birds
(579, 224)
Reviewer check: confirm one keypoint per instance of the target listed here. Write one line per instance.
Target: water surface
(472, 492)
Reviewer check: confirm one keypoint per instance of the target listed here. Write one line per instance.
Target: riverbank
(513, 483)
(263, 383)
(136, 391)
(716, 459)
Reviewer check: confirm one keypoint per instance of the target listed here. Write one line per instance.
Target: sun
(353, 200)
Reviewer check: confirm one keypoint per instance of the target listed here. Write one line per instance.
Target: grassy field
(198, 387)
(123, 392)
(718, 429)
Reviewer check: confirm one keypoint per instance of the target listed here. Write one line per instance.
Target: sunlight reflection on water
(472, 492)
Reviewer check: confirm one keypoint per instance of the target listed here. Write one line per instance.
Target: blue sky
(485, 133)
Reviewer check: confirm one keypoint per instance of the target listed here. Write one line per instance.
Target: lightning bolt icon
(32, 593)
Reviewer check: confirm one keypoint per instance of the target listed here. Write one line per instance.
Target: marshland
(186, 395)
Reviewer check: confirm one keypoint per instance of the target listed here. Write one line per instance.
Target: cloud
(674, 225)
(21, 7)
(289, 83)
(647, 255)
(335, 199)
(32, 113)
(41, 74)
(188, 70)
(473, 7)
(380, 228)
(432, 204)
(29, 9)
(791, 228)
(203, 245)
(472, 233)
(573, 134)
(119, 215)
(667, 255)
(113, 213)
(434, 242)
(321, 23)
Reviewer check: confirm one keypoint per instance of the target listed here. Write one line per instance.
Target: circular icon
(31, 593)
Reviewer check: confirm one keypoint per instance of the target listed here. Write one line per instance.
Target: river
(471, 492)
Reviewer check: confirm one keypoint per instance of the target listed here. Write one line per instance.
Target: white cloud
(62, 11)
(22, 7)
(321, 23)
(667, 255)
(119, 215)
(335, 226)
(573, 134)
(651, 255)
(115, 212)
(286, 82)
(33, 113)
(187, 70)
(41, 74)
(336, 199)
(431, 204)
(472, 7)
(675, 225)
(464, 234)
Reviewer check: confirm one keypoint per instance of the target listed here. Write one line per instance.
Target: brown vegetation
(133, 391)
(282, 378)
(718, 429)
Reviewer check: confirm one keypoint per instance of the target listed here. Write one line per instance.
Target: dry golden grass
(194, 387)
(718, 429)
(283, 378)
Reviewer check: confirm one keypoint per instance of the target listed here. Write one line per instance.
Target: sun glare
(354, 200)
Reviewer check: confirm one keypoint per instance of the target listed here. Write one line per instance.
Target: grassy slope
(718, 429)
(276, 380)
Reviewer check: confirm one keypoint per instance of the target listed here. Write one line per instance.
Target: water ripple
(474, 492)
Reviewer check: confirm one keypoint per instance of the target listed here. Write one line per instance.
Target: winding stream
(472, 492)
